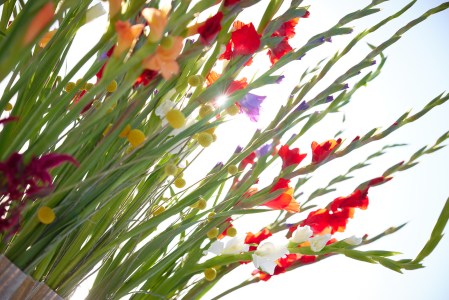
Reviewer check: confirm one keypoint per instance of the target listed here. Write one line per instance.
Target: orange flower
(284, 201)
(115, 6)
(126, 35)
(46, 38)
(157, 20)
(40, 21)
(164, 60)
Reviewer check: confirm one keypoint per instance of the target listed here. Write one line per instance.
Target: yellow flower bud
(158, 210)
(210, 130)
(232, 169)
(211, 215)
(69, 87)
(233, 110)
(210, 274)
(125, 131)
(88, 86)
(170, 169)
(46, 215)
(213, 233)
(8, 107)
(112, 87)
(206, 110)
(205, 139)
(231, 232)
(201, 204)
(180, 183)
(135, 137)
(175, 118)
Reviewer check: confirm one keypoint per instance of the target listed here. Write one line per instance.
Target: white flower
(353, 240)
(164, 108)
(301, 234)
(268, 252)
(236, 245)
(215, 248)
(318, 242)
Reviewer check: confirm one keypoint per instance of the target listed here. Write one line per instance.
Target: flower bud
(135, 137)
(205, 139)
(206, 110)
(158, 210)
(201, 204)
(231, 232)
(167, 42)
(175, 118)
(233, 110)
(112, 87)
(69, 87)
(210, 274)
(232, 169)
(180, 183)
(8, 107)
(46, 215)
(213, 233)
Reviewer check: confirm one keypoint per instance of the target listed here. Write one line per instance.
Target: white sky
(416, 72)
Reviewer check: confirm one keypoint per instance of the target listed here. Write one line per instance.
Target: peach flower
(126, 35)
(164, 60)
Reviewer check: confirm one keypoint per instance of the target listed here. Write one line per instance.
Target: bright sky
(416, 72)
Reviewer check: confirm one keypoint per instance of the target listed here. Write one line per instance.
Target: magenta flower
(20, 182)
(250, 105)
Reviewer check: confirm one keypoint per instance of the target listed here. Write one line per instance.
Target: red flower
(287, 29)
(18, 180)
(321, 151)
(284, 201)
(358, 199)
(286, 262)
(228, 3)
(248, 160)
(290, 156)
(325, 221)
(257, 238)
(280, 50)
(209, 30)
(244, 41)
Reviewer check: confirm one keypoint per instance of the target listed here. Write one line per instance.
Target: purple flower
(302, 106)
(329, 99)
(329, 39)
(250, 105)
(262, 151)
(346, 86)
(280, 78)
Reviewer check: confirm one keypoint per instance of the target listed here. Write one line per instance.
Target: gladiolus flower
(126, 35)
(244, 41)
(164, 60)
(39, 22)
(290, 156)
(358, 199)
(250, 106)
(157, 20)
(284, 201)
(209, 30)
(287, 31)
(353, 240)
(321, 151)
(268, 252)
(145, 78)
(324, 221)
